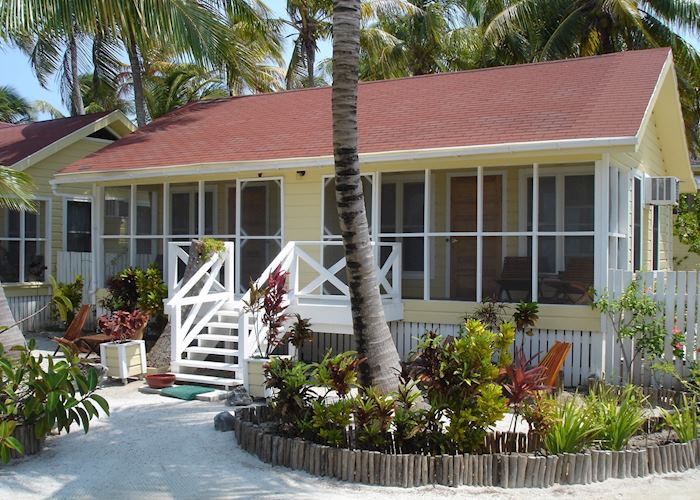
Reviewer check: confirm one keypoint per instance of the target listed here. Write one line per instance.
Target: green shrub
(373, 414)
(291, 383)
(458, 378)
(684, 420)
(573, 430)
(55, 397)
(66, 299)
(330, 421)
(619, 416)
(338, 373)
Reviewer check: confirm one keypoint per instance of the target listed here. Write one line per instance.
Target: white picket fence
(26, 307)
(678, 293)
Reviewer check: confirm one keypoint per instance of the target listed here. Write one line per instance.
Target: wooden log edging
(25, 435)
(663, 397)
(518, 469)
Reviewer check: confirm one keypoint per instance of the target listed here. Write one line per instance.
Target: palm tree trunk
(13, 336)
(76, 95)
(372, 336)
(137, 78)
(310, 63)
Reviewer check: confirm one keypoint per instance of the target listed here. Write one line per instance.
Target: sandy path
(157, 447)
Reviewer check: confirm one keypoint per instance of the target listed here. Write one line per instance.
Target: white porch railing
(190, 312)
(315, 290)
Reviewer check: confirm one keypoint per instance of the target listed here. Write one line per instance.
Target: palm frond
(16, 190)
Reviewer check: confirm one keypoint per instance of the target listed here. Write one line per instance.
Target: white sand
(156, 447)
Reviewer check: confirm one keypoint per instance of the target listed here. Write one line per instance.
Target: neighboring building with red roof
(30, 244)
(515, 183)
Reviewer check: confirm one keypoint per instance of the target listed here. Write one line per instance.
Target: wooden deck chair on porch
(72, 334)
(553, 362)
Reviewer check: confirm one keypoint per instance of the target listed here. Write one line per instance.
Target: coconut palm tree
(171, 85)
(194, 29)
(13, 107)
(311, 22)
(556, 29)
(372, 336)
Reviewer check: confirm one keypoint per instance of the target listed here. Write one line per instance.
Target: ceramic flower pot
(160, 380)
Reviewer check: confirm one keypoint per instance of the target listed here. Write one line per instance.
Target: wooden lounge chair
(516, 276)
(72, 336)
(553, 362)
(572, 284)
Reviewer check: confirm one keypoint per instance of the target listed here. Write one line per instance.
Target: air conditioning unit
(662, 191)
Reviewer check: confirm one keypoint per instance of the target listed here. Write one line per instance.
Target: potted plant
(267, 304)
(34, 399)
(125, 355)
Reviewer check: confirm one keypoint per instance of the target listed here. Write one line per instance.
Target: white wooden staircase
(212, 334)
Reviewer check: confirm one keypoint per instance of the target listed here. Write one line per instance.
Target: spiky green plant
(619, 416)
(683, 420)
(574, 429)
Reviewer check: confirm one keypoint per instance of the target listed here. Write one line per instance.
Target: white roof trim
(668, 64)
(74, 136)
(322, 161)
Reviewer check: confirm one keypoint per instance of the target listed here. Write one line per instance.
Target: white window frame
(194, 203)
(22, 239)
(409, 178)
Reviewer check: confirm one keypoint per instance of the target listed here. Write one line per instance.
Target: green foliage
(138, 289)
(330, 421)
(490, 312)
(458, 378)
(573, 429)
(57, 396)
(66, 299)
(686, 224)
(526, 316)
(373, 414)
(290, 381)
(211, 247)
(540, 413)
(338, 373)
(300, 332)
(634, 315)
(618, 415)
(684, 420)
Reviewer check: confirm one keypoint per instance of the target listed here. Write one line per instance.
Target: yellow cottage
(31, 245)
(528, 182)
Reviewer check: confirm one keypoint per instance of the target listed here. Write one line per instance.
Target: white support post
(239, 204)
(95, 213)
(426, 239)
(166, 231)
(132, 225)
(243, 348)
(375, 225)
(175, 336)
(201, 206)
(479, 231)
(599, 349)
(535, 227)
(228, 269)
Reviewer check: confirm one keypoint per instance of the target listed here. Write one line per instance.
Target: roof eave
(630, 142)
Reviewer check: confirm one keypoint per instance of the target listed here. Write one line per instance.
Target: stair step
(217, 337)
(212, 365)
(212, 350)
(207, 380)
(223, 324)
(229, 313)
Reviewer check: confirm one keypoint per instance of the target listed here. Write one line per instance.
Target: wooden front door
(463, 212)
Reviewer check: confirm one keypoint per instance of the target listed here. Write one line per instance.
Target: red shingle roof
(21, 140)
(592, 97)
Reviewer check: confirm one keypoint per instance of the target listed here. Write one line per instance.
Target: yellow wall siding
(43, 172)
(649, 159)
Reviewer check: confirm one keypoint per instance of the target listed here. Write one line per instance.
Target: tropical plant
(540, 413)
(267, 305)
(310, 22)
(619, 415)
(330, 421)
(634, 315)
(686, 223)
(122, 291)
(522, 383)
(66, 299)
(372, 335)
(211, 247)
(525, 316)
(13, 107)
(291, 383)
(573, 429)
(459, 380)
(122, 325)
(16, 190)
(338, 373)
(683, 420)
(373, 416)
(299, 333)
(53, 397)
(490, 312)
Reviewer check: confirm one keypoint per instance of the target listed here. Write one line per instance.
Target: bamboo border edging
(509, 464)
(25, 435)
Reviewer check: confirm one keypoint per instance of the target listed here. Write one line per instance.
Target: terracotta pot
(160, 380)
